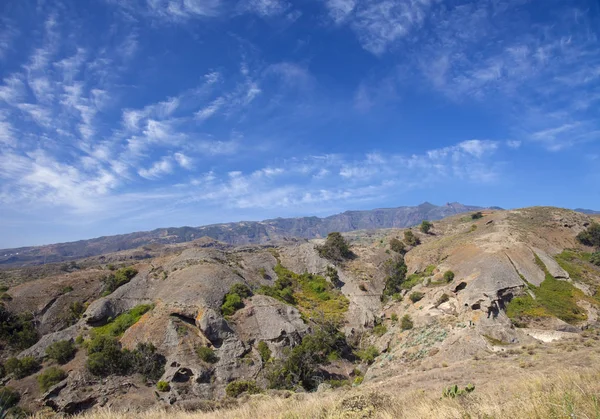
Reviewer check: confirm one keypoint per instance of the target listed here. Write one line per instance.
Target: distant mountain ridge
(237, 233)
(587, 211)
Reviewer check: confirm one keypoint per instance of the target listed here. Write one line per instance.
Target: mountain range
(237, 233)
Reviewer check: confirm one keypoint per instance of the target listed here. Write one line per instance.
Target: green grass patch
(311, 293)
(552, 298)
(119, 325)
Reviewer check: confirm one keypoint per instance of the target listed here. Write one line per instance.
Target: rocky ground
(467, 329)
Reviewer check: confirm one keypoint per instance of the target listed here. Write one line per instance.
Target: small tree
(397, 246)
(336, 248)
(590, 236)
(410, 238)
(449, 276)
(477, 215)
(406, 323)
(50, 377)
(426, 226)
(206, 354)
(61, 351)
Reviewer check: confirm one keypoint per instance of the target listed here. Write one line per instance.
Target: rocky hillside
(197, 325)
(234, 233)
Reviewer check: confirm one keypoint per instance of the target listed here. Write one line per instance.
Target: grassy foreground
(564, 394)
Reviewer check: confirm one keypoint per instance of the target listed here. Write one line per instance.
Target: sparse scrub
(477, 215)
(264, 351)
(9, 397)
(368, 354)
(336, 248)
(235, 388)
(443, 298)
(410, 238)
(233, 300)
(23, 367)
(118, 278)
(448, 276)
(406, 323)
(455, 391)
(61, 351)
(163, 386)
(416, 296)
(206, 354)
(590, 236)
(379, 330)
(17, 330)
(50, 377)
(397, 246)
(396, 275)
(426, 227)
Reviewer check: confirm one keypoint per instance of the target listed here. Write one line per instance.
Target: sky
(125, 115)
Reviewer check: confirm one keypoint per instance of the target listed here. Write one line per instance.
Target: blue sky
(125, 115)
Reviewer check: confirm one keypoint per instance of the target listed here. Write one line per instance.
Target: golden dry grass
(564, 394)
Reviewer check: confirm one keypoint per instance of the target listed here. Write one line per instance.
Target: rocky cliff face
(240, 233)
(511, 275)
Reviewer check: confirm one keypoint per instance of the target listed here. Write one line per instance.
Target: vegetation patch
(206, 354)
(50, 377)
(9, 397)
(552, 298)
(336, 248)
(236, 388)
(416, 296)
(62, 351)
(311, 293)
(590, 236)
(21, 368)
(368, 354)
(264, 351)
(118, 278)
(163, 386)
(17, 330)
(410, 238)
(119, 325)
(233, 300)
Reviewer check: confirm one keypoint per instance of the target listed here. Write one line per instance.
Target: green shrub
(394, 317)
(235, 388)
(163, 386)
(21, 368)
(397, 246)
(368, 355)
(66, 290)
(454, 391)
(379, 330)
(595, 258)
(79, 340)
(61, 351)
(206, 354)
(232, 301)
(477, 215)
(301, 365)
(264, 351)
(50, 377)
(263, 273)
(411, 239)
(590, 236)
(336, 248)
(9, 397)
(105, 357)
(425, 226)
(448, 276)
(443, 298)
(416, 296)
(406, 323)
(358, 380)
(17, 330)
(395, 269)
(118, 278)
(119, 325)
(76, 310)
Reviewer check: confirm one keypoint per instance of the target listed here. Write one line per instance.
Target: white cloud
(208, 111)
(158, 169)
(265, 8)
(183, 160)
(183, 9)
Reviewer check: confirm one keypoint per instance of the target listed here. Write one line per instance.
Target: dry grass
(565, 394)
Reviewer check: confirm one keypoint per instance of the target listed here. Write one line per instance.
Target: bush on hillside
(590, 236)
(61, 351)
(118, 278)
(368, 354)
(416, 296)
(426, 226)
(206, 354)
(17, 330)
(163, 386)
(264, 351)
(477, 215)
(50, 377)
(406, 323)
(395, 269)
(595, 258)
(397, 246)
(411, 239)
(233, 300)
(9, 397)
(21, 368)
(336, 248)
(235, 388)
(448, 276)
